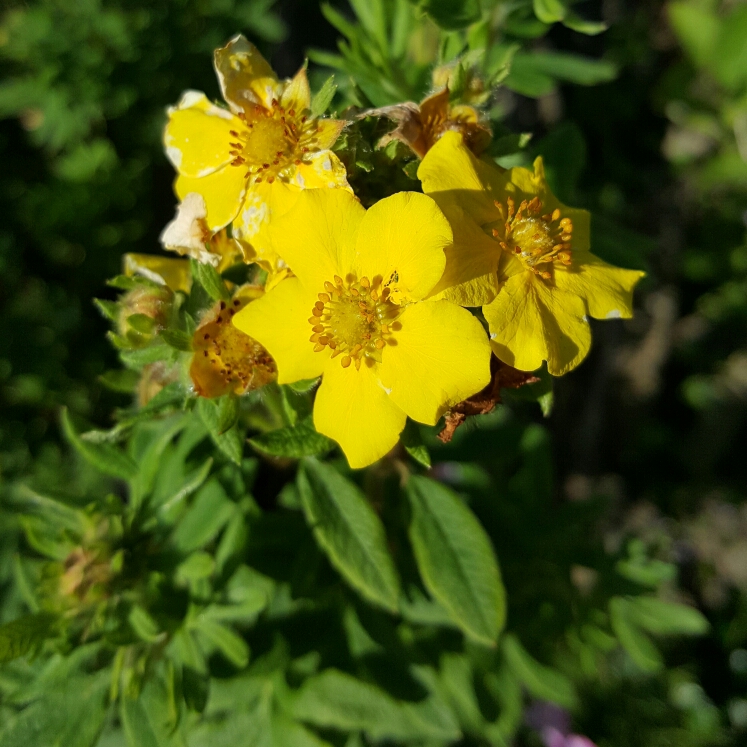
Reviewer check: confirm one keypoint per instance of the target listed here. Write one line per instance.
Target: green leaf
(637, 644)
(231, 441)
(195, 687)
(456, 560)
(336, 700)
(413, 443)
(323, 97)
(104, 457)
(582, 26)
(69, 715)
(697, 26)
(120, 380)
(173, 506)
(19, 637)
(453, 14)
(295, 442)
(349, 531)
(177, 339)
(667, 618)
(542, 682)
(207, 276)
(730, 62)
(143, 625)
(549, 11)
(229, 643)
(142, 323)
(150, 720)
(203, 520)
(109, 309)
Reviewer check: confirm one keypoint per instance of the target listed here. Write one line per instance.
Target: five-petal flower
(355, 314)
(524, 257)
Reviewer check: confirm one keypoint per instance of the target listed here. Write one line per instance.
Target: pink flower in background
(554, 724)
(552, 737)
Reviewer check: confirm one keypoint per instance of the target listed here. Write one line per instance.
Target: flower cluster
(375, 302)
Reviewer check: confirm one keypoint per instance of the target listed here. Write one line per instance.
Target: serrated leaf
(104, 457)
(294, 442)
(231, 441)
(203, 520)
(349, 532)
(456, 560)
(173, 506)
(323, 97)
(542, 682)
(19, 637)
(637, 644)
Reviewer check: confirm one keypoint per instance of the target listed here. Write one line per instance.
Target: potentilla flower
(239, 160)
(355, 314)
(420, 126)
(226, 360)
(524, 256)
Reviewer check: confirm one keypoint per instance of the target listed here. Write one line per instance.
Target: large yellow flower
(253, 160)
(524, 256)
(355, 314)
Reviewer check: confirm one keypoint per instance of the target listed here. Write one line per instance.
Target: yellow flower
(173, 273)
(421, 126)
(252, 160)
(225, 359)
(355, 313)
(524, 256)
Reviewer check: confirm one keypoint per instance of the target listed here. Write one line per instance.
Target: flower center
(533, 237)
(354, 318)
(269, 144)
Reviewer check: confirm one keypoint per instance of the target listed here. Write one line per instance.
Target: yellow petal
(223, 192)
(402, 239)
(245, 76)
(198, 135)
(452, 175)
(279, 322)
(322, 170)
(607, 290)
(531, 321)
(297, 95)
(469, 278)
(352, 408)
(316, 237)
(321, 134)
(435, 108)
(173, 273)
(441, 357)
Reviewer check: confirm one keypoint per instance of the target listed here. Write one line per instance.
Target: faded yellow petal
(297, 94)
(440, 357)
(321, 134)
(244, 75)
(279, 322)
(607, 290)
(198, 135)
(223, 192)
(452, 175)
(323, 170)
(173, 273)
(469, 278)
(402, 239)
(531, 321)
(316, 237)
(352, 408)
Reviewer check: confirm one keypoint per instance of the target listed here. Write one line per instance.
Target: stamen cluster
(355, 318)
(533, 237)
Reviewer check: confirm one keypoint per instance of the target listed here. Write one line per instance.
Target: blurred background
(647, 438)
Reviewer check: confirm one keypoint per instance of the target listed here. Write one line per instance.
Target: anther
(319, 305)
(346, 361)
(328, 286)
(324, 298)
(556, 214)
(338, 280)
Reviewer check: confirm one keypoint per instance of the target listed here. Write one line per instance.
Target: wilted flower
(225, 359)
(421, 126)
(355, 313)
(252, 160)
(188, 234)
(524, 256)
